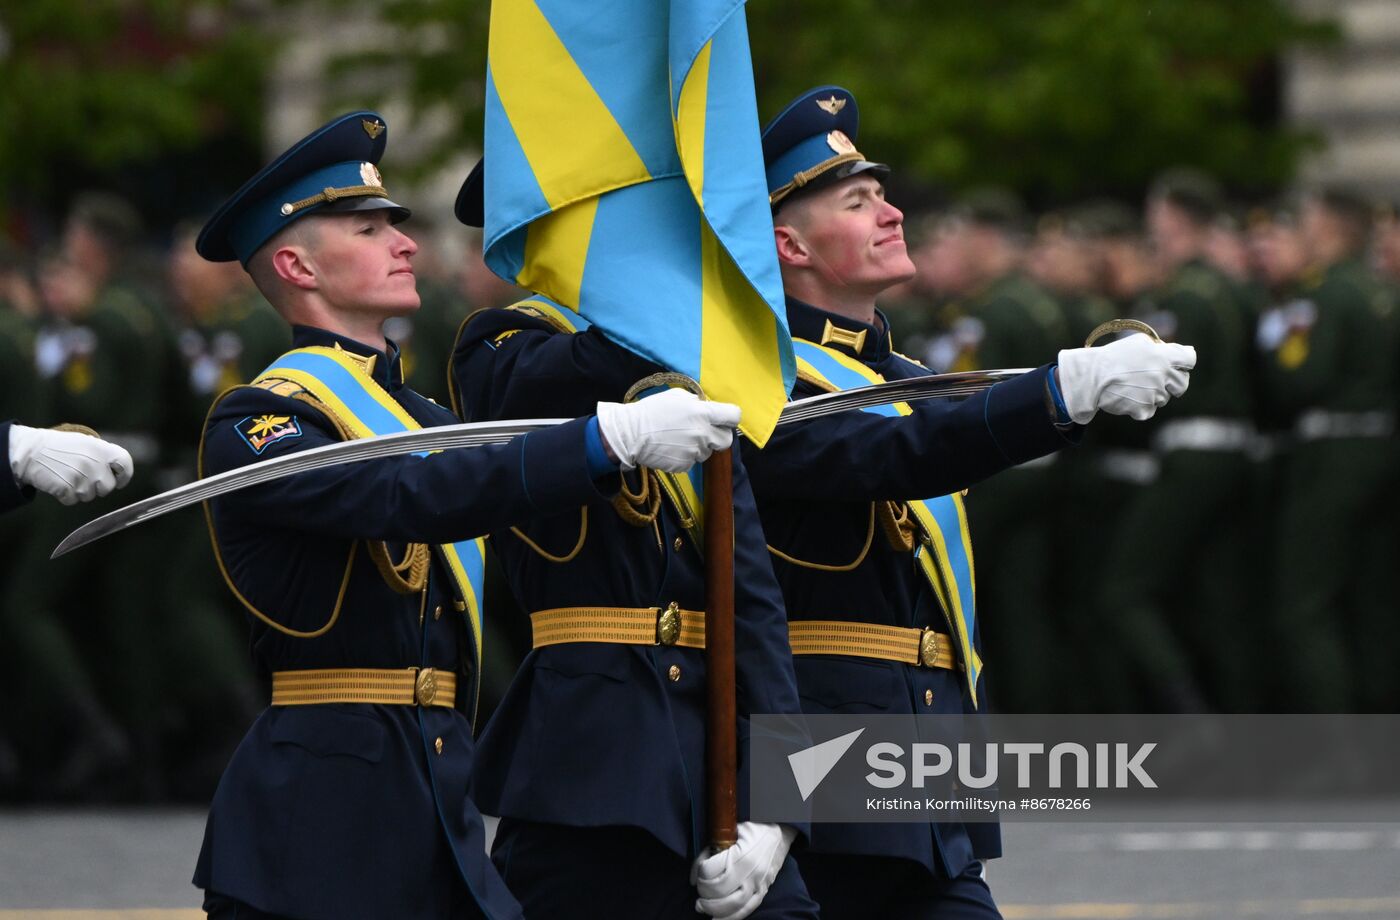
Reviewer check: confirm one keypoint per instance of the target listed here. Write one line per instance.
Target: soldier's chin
(404, 306)
(901, 270)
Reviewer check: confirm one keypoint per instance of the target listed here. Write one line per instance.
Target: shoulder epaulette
(560, 319)
(914, 361)
(279, 387)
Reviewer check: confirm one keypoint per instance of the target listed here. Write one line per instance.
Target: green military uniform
(83, 623)
(21, 398)
(1330, 367)
(89, 616)
(1014, 323)
(1175, 586)
(208, 675)
(1092, 505)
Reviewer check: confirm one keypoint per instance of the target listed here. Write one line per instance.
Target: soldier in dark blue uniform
(615, 592)
(348, 797)
(878, 583)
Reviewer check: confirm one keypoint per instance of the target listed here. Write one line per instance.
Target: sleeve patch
(258, 431)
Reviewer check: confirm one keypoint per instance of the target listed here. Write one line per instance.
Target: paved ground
(135, 865)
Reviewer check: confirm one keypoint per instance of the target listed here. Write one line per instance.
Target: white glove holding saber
(1134, 376)
(71, 466)
(670, 431)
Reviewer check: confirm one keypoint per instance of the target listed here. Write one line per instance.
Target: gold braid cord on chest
(410, 574)
(899, 526)
(639, 508)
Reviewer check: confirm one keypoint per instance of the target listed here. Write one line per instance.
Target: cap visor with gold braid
(331, 169)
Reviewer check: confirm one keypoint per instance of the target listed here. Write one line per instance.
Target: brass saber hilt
(662, 379)
(1121, 325)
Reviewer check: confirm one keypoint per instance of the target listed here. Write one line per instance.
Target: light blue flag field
(626, 182)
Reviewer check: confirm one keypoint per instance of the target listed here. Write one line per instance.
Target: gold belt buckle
(928, 647)
(425, 686)
(668, 625)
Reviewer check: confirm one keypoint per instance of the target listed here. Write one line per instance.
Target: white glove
(70, 466)
(1132, 376)
(670, 431)
(732, 882)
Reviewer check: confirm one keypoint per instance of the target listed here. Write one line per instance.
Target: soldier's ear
(792, 249)
(293, 266)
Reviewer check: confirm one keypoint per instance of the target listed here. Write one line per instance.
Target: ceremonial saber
(477, 434)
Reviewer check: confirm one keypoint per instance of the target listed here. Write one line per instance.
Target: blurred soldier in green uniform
(1385, 245)
(1330, 359)
(76, 630)
(20, 397)
(1000, 318)
(1175, 586)
(104, 350)
(1066, 260)
(225, 335)
(1121, 464)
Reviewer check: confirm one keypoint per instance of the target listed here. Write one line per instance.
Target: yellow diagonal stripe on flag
(573, 144)
(556, 249)
(690, 122)
(738, 341)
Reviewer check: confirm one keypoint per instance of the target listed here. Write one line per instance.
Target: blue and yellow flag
(625, 181)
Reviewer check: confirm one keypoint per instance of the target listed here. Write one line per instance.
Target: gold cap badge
(839, 142)
(370, 175)
(372, 127)
(833, 105)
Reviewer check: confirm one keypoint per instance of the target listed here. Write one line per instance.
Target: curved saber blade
(476, 434)
(933, 386)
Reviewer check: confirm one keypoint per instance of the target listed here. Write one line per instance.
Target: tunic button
(437, 612)
(928, 697)
(678, 544)
(675, 672)
(437, 745)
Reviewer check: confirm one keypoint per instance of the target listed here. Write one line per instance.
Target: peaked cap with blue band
(332, 169)
(811, 144)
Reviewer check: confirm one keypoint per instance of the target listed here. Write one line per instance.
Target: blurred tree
(98, 86)
(1056, 98)
(432, 56)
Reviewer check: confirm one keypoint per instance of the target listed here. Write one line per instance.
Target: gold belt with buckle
(389, 686)
(625, 625)
(922, 647)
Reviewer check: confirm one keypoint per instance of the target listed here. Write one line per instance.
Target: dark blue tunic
(815, 481)
(594, 734)
(351, 810)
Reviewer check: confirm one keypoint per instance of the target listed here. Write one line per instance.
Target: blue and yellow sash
(338, 380)
(944, 553)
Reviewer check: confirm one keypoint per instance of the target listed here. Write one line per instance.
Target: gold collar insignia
(836, 336)
(366, 362)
